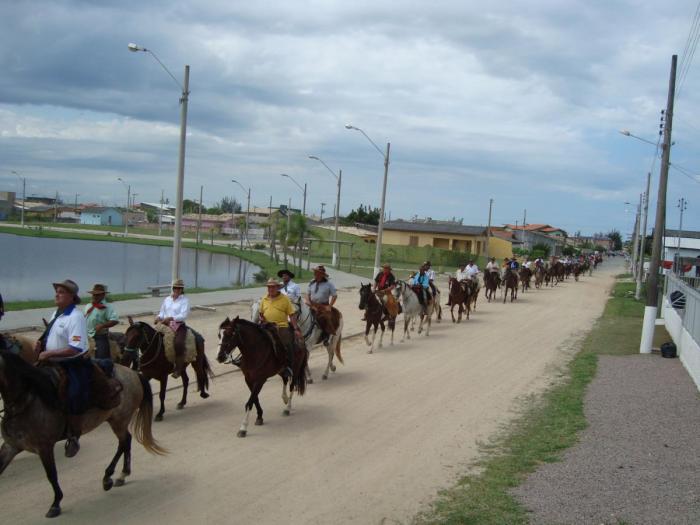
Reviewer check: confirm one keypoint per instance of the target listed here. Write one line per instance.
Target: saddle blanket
(169, 343)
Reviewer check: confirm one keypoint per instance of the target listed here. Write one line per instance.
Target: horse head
(138, 335)
(229, 338)
(365, 292)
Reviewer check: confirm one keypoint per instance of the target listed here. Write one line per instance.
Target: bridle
(142, 331)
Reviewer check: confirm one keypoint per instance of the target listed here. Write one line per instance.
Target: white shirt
(177, 309)
(291, 290)
(492, 267)
(461, 275)
(431, 274)
(472, 269)
(69, 330)
(527, 264)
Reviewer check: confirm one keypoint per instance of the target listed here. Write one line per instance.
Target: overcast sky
(520, 102)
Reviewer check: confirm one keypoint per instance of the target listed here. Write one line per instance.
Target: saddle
(389, 302)
(327, 317)
(278, 339)
(169, 343)
(114, 350)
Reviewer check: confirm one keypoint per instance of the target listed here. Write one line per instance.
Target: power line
(686, 172)
(689, 50)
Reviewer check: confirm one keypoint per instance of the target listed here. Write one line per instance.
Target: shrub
(261, 276)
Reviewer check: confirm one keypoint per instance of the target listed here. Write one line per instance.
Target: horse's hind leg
(252, 401)
(7, 454)
(49, 463)
(185, 384)
(287, 399)
(161, 396)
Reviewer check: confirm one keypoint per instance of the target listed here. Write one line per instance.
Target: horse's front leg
(49, 463)
(381, 335)
(7, 454)
(368, 325)
(107, 482)
(287, 399)
(161, 396)
(252, 401)
(329, 364)
(185, 385)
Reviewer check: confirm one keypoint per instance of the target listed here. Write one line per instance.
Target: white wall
(688, 349)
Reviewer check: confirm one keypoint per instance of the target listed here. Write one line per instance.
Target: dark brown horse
(261, 358)
(34, 420)
(539, 276)
(510, 280)
(375, 316)
(525, 276)
(458, 296)
(492, 280)
(154, 365)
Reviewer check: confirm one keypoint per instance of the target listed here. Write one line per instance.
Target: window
(413, 240)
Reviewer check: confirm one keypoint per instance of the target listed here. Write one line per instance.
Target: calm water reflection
(30, 264)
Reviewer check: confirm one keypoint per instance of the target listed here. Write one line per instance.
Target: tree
(364, 215)
(229, 205)
(543, 248)
(190, 206)
(616, 238)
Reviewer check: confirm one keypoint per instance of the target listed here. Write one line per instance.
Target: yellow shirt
(276, 310)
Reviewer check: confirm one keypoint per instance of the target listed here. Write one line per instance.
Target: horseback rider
(173, 313)
(461, 274)
(385, 279)
(100, 316)
(320, 297)
(289, 287)
(431, 276)
(421, 284)
(513, 264)
(65, 340)
(472, 271)
(276, 308)
(492, 266)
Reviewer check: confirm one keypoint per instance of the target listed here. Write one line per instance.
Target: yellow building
(446, 235)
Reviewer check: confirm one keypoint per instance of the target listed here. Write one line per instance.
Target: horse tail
(299, 377)
(144, 419)
(204, 373)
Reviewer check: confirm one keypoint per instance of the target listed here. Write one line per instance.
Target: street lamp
(24, 194)
(303, 214)
(626, 133)
(380, 227)
(177, 237)
(128, 200)
(247, 215)
(339, 179)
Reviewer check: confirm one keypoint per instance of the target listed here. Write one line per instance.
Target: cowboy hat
(386, 265)
(98, 289)
(322, 269)
(272, 282)
(283, 271)
(178, 283)
(69, 285)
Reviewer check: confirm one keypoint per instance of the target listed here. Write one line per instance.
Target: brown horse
(539, 276)
(34, 421)
(510, 279)
(492, 280)
(375, 315)
(458, 296)
(525, 276)
(154, 365)
(19, 345)
(261, 358)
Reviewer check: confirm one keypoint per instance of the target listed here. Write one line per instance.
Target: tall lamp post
(303, 214)
(339, 179)
(380, 227)
(177, 238)
(128, 200)
(24, 194)
(247, 214)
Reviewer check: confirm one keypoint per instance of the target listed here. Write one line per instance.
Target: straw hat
(178, 283)
(272, 282)
(322, 269)
(98, 289)
(69, 285)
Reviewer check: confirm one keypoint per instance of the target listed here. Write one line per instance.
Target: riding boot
(72, 435)
(179, 344)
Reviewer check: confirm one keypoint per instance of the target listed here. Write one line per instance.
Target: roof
(528, 227)
(502, 234)
(685, 234)
(98, 209)
(431, 227)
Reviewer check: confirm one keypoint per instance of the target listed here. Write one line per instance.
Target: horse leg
(381, 335)
(185, 384)
(368, 324)
(287, 400)
(49, 463)
(107, 482)
(330, 366)
(374, 337)
(252, 401)
(121, 430)
(161, 396)
(452, 312)
(285, 396)
(7, 454)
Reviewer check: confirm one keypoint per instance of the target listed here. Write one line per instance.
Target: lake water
(29, 265)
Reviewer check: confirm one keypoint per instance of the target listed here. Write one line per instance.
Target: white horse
(312, 334)
(412, 308)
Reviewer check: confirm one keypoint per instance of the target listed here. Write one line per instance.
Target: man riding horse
(320, 297)
(384, 283)
(277, 309)
(421, 285)
(100, 316)
(289, 287)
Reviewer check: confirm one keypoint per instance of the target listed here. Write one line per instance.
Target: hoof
(332, 368)
(203, 395)
(107, 484)
(180, 406)
(285, 412)
(310, 381)
(259, 422)
(242, 433)
(159, 417)
(324, 377)
(53, 511)
(120, 482)
(369, 351)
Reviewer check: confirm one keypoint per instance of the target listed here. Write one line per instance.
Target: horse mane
(34, 379)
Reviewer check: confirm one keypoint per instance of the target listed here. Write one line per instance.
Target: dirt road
(372, 444)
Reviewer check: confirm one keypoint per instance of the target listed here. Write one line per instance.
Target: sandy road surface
(371, 445)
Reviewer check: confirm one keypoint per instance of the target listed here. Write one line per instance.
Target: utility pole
(488, 229)
(659, 227)
(286, 238)
(323, 205)
(682, 205)
(55, 208)
(524, 223)
(160, 214)
(199, 219)
(640, 273)
(635, 238)
(24, 194)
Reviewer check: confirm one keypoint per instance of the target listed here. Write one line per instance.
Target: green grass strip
(547, 425)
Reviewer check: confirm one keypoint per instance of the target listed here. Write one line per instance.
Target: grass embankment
(268, 266)
(545, 428)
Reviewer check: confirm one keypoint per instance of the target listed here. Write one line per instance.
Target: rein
(306, 319)
(148, 346)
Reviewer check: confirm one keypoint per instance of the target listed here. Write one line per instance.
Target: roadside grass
(546, 426)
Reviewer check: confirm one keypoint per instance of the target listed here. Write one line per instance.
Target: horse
(492, 280)
(34, 421)
(259, 361)
(473, 289)
(19, 345)
(510, 278)
(458, 296)
(413, 309)
(525, 275)
(375, 315)
(312, 333)
(539, 276)
(154, 365)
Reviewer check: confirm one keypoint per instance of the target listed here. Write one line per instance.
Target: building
(543, 234)
(447, 235)
(7, 204)
(689, 250)
(102, 216)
